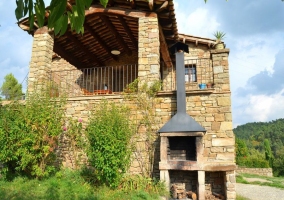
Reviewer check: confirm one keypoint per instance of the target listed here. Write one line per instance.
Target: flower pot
(209, 85)
(219, 46)
(202, 86)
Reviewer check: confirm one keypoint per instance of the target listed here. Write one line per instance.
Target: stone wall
(258, 171)
(148, 50)
(40, 64)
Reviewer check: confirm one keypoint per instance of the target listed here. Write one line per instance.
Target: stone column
(201, 185)
(148, 50)
(230, 185)
(164, 174)
(221, 69)
(41, 59)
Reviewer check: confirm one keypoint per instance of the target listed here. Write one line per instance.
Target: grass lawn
(277, 182)
(66, 185)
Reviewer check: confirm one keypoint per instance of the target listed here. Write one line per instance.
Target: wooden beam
(128, 31)
(118, 11)
(73, 61)
(164, 49)
(151, 4)
(163, 7)
(100, 41)
(132, 4)
(116, 35)
(83, 48)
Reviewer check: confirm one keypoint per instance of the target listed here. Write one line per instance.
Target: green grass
(239, 197)
(67, 185)
(277, 182)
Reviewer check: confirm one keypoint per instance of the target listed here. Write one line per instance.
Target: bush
(29, 135)
(109, 133)
(252, 162)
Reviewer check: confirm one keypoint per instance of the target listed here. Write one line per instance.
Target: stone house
(130, 40)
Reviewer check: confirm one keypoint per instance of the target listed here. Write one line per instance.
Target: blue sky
(254, 33)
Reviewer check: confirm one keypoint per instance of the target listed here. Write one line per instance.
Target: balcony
(197, 71)
(114, 79)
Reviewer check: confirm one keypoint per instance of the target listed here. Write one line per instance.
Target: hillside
(255, 133)
(250, 139)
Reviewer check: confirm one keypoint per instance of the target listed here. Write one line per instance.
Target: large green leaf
(104, 2)
(87, 3)
(64, 24)
(31, 15)
(20, 9)
(40, 12)
(56, 12)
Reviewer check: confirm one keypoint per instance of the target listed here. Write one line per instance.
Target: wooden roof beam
(164, 49)
(116, 35)
(128, 32)
(100, 41)
(73, 61)
(118, 11)
(163, 6)
(151, 4)
(132, 4)
(82, 47)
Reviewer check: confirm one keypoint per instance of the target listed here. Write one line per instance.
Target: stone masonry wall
(41, 59)
(148, 50)
(258, 171)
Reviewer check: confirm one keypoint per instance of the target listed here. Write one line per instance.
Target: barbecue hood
(181, 121)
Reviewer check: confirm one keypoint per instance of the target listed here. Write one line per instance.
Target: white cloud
(199, 23)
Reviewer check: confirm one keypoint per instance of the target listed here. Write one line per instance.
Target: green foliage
(69, 185)
(140, 183)
(268, 152)
(241, 148)
(74, 131)
(254, 134)
(109, 133)
(143, 95)
(278, 163)
(252, 162)
(29, 135)
(58, 15)
(219, 35)
(11, 89)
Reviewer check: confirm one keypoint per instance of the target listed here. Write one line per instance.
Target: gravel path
(257, 192)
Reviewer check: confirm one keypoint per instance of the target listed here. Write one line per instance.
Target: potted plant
(219, 35)
(209, 85)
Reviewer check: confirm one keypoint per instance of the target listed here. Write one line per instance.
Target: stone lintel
(179, 165)
(193, 165)
(223, 167)
(182, 134)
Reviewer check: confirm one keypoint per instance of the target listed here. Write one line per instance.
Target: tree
(268, 152)
(11, 89)
(56, 13)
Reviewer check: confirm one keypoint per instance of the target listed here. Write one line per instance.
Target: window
(190, 73)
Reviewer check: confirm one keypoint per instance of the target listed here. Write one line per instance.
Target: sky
(254, 34)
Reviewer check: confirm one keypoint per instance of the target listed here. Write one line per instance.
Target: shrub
(109, 133)
(29, 135)
(252, 162)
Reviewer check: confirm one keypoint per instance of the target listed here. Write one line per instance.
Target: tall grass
(71, 185)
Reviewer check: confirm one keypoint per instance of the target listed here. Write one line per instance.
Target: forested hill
(255, 133)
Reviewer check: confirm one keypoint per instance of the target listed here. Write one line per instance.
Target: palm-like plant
(219, 35)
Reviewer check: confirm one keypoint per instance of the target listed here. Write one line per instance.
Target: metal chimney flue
(181, 121)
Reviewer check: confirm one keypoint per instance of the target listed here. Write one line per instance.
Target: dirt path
(257, 192)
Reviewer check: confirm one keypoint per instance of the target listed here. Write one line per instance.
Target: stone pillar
(221, 69)
(41, 59)
(164, 174)
(201, 185)
(148, 50)
(230, 185)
